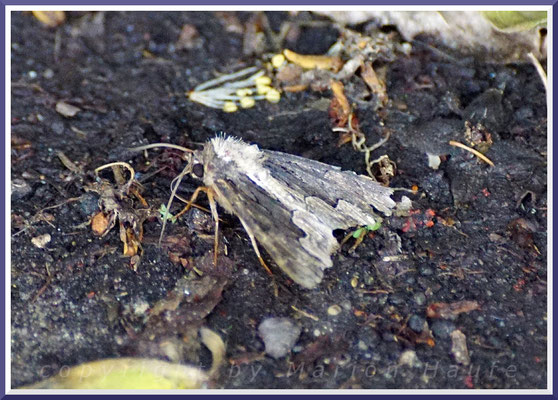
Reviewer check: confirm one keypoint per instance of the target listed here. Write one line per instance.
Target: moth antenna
(156, 145)
(174, 187)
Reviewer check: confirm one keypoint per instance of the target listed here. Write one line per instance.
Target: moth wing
(344, 191)
(282, 233)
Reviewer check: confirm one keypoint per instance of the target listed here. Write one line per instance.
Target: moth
(290, 205)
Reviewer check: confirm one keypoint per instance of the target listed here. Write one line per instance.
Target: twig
(471, 150)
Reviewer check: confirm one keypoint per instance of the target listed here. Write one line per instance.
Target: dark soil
(478, 233)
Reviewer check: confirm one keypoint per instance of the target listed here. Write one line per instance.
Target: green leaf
(368, 228)
(126, 373)
(358, 232)
(515, 21)
(163, 211)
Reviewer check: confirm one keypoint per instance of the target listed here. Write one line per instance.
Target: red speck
(430, 213)
(429, 224)
(90, 295)
(519, 285)
(485, 192)
(409, 225)
(469, 381)
(537, 359)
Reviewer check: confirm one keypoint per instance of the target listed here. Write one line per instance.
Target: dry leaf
(309, 61)
(50, 18)
(99, 223)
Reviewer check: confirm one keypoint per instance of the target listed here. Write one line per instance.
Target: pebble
(419, 299)
(41, 241)
(409, 358)
(89, 204)
(396, 299)
(442, 329)
(426, 270)
(20, 189)
(368, 336)
(334, 310)
(279, 336)
(416, 323)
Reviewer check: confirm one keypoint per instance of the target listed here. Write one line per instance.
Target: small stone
(416, 323)
(369, 336)
(396, 299)
(459, 347)
(66, 109)
(48, 74)
(279, 336)
(346, 304)
(388, 337)
(425, 270)
(89, 204)
(419, 299)
(20, 189)
(334, 310)
(57, 127)
(362, 346)
(442, 329)
(409, 358)
(41, 241)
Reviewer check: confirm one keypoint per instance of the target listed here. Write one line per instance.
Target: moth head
(198, 165)
(197, 170)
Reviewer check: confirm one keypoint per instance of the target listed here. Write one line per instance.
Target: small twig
(471, 150)
(68, 163)
(308, 315)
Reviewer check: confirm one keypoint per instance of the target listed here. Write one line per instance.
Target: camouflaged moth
(288, 204)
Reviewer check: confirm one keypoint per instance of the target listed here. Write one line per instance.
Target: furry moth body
(289, 204)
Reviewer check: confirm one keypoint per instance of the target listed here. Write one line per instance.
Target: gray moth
(290, 205)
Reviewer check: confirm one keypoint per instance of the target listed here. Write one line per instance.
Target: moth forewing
(290, 204)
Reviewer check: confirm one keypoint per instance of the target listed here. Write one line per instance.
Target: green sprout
(360, 232)
(165, 214)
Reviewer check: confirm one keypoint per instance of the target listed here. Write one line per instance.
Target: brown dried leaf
(450, 310)
(376, 85)
(50, 18)
(309, 61)
(100, 223)
(131, 242)
(339, 108)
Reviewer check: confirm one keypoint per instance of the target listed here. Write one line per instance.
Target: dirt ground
(451, 295)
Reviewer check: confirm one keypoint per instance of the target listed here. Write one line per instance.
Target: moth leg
(193, 198)
(255, 246)
(215, 215)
